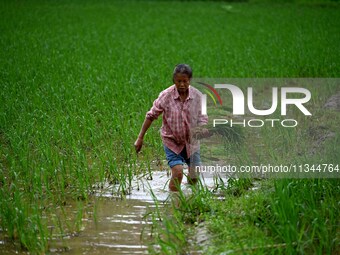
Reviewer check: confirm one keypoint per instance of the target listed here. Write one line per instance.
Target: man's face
(182, 82)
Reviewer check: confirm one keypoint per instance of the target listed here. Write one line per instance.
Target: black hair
(182, 69)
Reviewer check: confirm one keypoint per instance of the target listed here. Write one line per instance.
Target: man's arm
(139, 142)
(151, 115)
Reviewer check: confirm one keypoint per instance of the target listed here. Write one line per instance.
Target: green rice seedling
(300, 204)
(238, 186)
(169, 233)
(170, 230)
(219, 184)
(148, 168)
(236, 225)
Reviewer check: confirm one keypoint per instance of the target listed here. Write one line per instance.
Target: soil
(333, 102)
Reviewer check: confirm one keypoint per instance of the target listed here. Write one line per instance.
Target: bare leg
(176, 177)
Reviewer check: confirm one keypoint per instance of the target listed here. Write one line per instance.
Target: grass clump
(281, 217)
(172, 224)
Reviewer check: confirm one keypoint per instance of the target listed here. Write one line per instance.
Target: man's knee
(177, 171)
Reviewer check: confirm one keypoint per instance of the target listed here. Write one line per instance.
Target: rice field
(77, 78)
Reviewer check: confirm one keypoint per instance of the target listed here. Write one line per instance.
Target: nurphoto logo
(282, 97)
(253, 121)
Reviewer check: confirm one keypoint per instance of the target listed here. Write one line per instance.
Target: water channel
(116, 226)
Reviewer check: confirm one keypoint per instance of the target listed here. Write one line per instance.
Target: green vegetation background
(77, 77)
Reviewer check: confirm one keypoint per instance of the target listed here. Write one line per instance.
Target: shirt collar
(175, 93)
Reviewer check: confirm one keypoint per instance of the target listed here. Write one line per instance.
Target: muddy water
(119, 227)
(115, 226)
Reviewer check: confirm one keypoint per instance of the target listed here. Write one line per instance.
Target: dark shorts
(182, 158)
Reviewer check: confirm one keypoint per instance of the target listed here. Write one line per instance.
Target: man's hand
(200, 133)
(138, 144)
(204, 133)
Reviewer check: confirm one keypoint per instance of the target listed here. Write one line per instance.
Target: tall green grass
(77, 77)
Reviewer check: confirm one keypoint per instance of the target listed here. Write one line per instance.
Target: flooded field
(111, 225)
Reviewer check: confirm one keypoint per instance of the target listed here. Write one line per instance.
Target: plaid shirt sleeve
(157, 107)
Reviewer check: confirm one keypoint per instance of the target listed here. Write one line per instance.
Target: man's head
(182, 69)
(181, 77)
